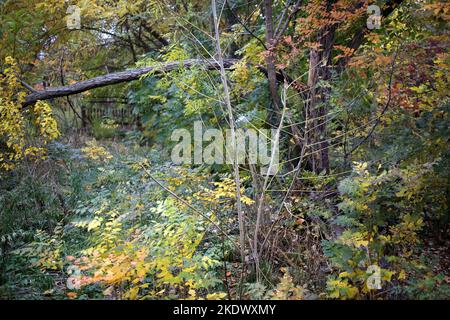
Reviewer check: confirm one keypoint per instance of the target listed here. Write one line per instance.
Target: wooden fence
(118, 110)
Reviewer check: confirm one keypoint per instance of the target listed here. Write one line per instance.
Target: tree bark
(119, 77)
(130, 75)
(316, 104)
(270, 64)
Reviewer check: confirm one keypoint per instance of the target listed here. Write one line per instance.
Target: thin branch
(388, 102)
(190, 206)
(280, 30)
(233, 139)
(27, 86)
(61, 73)
(245, 26)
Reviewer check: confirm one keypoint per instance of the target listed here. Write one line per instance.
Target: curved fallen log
(134, 74)
(119, 77)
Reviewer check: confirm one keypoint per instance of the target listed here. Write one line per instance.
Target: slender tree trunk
(270, 63)
(317, 100)
(237, 179)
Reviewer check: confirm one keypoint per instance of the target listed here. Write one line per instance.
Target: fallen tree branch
(134, 74)
(119, 77)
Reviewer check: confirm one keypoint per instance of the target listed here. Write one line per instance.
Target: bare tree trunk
(270, 65)
(316, 104)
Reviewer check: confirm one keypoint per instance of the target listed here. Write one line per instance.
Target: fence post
(83, 117)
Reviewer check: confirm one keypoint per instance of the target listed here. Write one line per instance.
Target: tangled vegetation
(94, 206)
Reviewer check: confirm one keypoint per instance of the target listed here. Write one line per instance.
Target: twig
(266, 182)
(245, 27)
(61, 72)
(187, 204)
(378, 121)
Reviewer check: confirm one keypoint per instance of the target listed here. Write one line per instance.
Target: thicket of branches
(357, 210)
